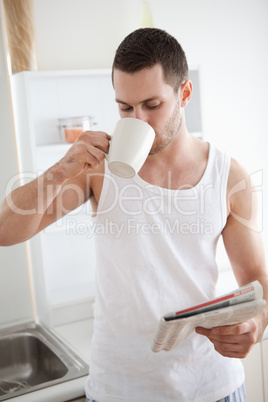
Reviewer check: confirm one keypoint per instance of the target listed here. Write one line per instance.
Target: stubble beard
(168, 133)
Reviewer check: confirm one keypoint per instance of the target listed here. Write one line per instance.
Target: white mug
(130, 145)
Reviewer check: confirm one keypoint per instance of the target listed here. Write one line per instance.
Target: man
(162, 259)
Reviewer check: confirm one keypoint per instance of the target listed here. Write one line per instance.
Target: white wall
(227, 39)
(75, 34)
(15, 296)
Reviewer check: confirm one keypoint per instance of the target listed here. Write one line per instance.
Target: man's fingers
(233, 340)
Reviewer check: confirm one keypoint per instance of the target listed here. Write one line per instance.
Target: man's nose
(140, 114)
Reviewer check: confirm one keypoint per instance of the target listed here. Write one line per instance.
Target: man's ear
(186, 90)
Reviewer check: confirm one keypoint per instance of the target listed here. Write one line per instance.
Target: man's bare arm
(244, 246)
(62, 188)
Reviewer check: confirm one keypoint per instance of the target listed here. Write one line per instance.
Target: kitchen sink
(32, 358)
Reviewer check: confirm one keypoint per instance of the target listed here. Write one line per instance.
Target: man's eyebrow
(143, 101)
(119, 101)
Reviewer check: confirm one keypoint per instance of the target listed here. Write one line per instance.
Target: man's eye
(151, 107)
(126, 109)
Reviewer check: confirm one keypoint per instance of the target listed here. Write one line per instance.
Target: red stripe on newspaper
(220, 299)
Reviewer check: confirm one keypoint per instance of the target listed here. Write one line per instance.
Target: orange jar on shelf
(72, 127)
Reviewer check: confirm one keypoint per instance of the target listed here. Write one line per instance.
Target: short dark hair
(146, 47)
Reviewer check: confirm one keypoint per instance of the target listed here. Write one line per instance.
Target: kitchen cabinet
(253, 372)
(256, 372)
(62, 257)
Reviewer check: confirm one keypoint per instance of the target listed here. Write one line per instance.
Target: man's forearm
(23, 209)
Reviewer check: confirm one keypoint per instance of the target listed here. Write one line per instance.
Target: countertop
(78, 337)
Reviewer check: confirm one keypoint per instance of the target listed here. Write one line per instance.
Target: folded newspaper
(232, 308)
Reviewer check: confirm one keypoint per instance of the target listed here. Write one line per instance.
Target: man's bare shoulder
(239, 186)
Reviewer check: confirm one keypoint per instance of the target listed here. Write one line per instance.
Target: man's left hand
(232, 340)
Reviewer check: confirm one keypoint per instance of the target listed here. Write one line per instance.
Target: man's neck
(181, 164)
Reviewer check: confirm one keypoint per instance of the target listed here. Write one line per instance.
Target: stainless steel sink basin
(32, 358)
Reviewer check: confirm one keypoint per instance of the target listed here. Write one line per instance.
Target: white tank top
(156, 254)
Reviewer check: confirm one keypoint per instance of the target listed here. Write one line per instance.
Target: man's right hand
(86, 154)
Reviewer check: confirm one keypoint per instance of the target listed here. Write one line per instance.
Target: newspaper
(235, 307)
